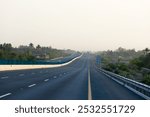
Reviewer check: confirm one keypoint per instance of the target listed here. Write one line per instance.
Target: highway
(80, 80)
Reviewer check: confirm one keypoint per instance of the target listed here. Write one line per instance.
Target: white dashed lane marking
(46, 80)
(4, 77)
(2, 96)
(21, 74)
(31, 85)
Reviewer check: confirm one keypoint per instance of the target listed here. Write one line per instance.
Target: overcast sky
(76, 24)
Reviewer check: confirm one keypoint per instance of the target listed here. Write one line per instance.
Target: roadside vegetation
(30, 52)
(129, 63)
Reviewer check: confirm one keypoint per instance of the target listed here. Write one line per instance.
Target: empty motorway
(80, 80)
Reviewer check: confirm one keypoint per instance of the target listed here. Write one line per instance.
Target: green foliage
(128, 63)
(142, 61)
(120, 55)
(118, 68)
(136, 63)
(30, 53)
(146, 79)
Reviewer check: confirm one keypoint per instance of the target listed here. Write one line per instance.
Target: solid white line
(89, 86)
(5, 95)
(4, 77)
(21, 74)
(31, 85)
(46, 80)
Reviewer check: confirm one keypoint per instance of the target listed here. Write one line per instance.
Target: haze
(76, 24)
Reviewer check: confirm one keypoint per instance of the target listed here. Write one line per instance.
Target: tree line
(30, 52)
(129, 63)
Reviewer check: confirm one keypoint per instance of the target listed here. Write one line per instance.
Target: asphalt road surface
(80, 80)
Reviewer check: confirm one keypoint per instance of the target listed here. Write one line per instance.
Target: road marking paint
(55, 77)
(89, 86)
(21, 74)
(5, 95)
(46, 80)
(4, 77)
(31, 85)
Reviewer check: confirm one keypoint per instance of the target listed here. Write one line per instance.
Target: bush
(146, 79)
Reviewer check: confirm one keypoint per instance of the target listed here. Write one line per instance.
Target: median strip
(23, 67)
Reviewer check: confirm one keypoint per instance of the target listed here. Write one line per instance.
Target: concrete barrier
(23, 67)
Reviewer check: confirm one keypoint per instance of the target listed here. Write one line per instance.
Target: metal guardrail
(138, 88)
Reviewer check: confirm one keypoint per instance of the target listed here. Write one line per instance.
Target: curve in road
(70, 82)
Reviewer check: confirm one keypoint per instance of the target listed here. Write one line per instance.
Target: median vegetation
(129, 63)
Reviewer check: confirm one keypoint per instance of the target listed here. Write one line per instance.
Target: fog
(76, 24)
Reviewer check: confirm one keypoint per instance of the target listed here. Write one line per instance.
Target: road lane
(104, 88)
(80, 80)
(67, 82)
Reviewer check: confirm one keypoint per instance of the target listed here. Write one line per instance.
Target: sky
(85, 25)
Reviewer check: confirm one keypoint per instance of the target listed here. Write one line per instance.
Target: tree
(29, 52)
(146, 51)
(38, 47)
(146, 79)
(7, 46)
(1, 46)
(120, 49)
(31, 45)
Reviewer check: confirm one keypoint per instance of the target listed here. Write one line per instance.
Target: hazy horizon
(84, 25)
